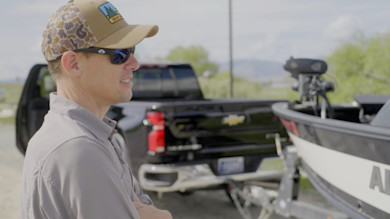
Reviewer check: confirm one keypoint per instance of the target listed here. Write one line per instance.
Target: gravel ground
(201, 204)
(11, 165)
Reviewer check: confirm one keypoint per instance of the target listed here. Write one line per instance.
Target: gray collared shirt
(75, 168)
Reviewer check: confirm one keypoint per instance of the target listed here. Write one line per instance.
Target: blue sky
(262, 29)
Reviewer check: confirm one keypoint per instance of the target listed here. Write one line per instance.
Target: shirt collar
(102, 130)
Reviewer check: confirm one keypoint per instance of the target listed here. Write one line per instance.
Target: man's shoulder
(76, 150)
(55, 130)
(79, 155)
(60, 134)
(76, 160)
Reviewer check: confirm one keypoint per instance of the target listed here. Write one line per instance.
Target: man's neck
(84, 100)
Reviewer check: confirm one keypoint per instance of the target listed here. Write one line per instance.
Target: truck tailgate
(223, 125)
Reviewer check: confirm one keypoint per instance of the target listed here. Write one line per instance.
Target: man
(74, 165)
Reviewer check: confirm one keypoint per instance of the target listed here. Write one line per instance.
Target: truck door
(33, 104)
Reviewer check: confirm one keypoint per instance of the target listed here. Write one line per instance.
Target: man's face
(105, 82)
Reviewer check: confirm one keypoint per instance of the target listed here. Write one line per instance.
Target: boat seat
(382, 118)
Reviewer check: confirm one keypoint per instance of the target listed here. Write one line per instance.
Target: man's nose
(132, 63)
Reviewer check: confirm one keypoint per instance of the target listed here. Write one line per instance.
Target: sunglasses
(118, 56)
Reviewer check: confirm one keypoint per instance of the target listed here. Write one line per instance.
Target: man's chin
(128, 98)
(122, 100)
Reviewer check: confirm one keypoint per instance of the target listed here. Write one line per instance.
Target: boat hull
(347, 162)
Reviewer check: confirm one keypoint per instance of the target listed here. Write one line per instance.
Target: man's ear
(70, 64)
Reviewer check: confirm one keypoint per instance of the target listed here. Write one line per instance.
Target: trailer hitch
(282, 199)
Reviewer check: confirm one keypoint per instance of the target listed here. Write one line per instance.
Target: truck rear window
(186, 81)
(165, 82)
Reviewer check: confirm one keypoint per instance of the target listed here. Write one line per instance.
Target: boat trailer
(284, 200)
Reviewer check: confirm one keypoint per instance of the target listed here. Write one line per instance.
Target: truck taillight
(156, 138)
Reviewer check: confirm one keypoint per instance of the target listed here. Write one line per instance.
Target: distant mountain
(12, 81)
(256, 70)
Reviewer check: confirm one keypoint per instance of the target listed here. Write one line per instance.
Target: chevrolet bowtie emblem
(233, 120)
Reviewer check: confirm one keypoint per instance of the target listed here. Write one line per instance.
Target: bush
(218, 86)
(361, 66)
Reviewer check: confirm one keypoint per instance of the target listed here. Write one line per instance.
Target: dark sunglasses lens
(120, 56)
(132, 50)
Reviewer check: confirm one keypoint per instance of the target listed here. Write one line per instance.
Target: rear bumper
(183, 178)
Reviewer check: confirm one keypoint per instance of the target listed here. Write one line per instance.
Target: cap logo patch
(111, 13)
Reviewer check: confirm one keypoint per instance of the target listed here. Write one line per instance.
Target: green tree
(197, 56)
(217, 86)
(361, 66)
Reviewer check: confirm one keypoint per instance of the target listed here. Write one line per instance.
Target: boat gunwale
(283, 111)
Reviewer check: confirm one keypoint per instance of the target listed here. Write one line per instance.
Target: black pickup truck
(176, 140)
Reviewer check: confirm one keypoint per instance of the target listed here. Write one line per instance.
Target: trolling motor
(311, 85)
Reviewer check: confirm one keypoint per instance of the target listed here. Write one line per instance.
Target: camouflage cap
(90, 23)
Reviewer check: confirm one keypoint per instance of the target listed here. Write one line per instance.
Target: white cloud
(341, 28)
(36, 8)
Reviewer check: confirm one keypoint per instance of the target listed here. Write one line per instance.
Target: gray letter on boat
(387, 182)
(376, 179)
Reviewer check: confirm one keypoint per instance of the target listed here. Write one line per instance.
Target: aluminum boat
(344, 148)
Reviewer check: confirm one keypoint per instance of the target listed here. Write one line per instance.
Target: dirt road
(11, 164)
